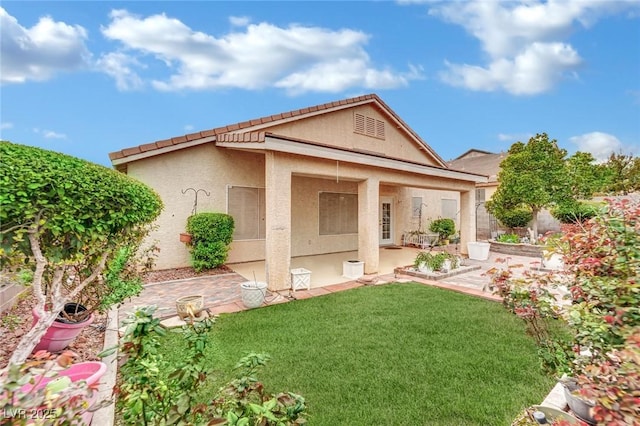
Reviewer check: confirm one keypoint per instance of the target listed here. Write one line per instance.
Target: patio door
(386, 220)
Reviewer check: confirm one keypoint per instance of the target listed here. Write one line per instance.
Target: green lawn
(399, 354)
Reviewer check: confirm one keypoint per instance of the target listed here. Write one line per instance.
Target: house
(488, 163)
(342, 176)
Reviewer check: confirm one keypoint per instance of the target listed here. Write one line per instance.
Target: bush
(514, 218)
(211, 234)
(508, 238)
(443, 227)
(575, 212)
(66, 219)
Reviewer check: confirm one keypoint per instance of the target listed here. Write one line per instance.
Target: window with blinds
(368, 126)
(449, 208)
(338, 213)
(480, 194)
(416, 206)
(247, 206)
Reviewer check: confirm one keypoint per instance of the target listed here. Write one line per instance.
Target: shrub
(443, 227)
(211, 234)
(574, 212)
(514, 218)
(508, 238)
(66, 218)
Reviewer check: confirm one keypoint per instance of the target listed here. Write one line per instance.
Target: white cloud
(239, 21)
(514, 137)
(296, 58)
(120, 66)
(38, 52)
(524, 41)
(6, 125)
(188, 127)
(600, 145)
(50, 134)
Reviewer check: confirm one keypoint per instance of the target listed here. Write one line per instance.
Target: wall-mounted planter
(185, 238)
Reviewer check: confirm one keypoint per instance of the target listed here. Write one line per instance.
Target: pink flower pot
(59, 335)
(90, 371)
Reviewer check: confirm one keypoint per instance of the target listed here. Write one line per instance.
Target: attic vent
(368, 126)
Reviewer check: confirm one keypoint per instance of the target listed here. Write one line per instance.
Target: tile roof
(224, 133)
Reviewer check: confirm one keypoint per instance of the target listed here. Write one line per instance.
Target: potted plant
(444, 228)
(59, 227)
(422, 260)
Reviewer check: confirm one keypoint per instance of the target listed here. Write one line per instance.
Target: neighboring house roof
(255, 131)
(472, 153)
(480, 162)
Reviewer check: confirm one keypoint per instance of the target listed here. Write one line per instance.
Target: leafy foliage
(513, 218)
(585, 177)
(622, 174)
(65, 219)
(211, 235)
(444, 227)
(151, 396)
(574, 212)
(508, 238)
(531, 176)
(60, 402)
(82, 207)
(602, 264)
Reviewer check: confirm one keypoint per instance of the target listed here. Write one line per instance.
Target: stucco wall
(202, 167)
(337, 129)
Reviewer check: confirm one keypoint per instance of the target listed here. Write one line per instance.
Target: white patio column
(467, 218)
(368, 224)
(278, 223)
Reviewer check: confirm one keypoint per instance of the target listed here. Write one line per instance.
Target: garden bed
(517, 249)
(435, 275)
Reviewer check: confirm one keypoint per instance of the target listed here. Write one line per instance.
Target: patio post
(467, 218)
(368, 224)
(278, 222)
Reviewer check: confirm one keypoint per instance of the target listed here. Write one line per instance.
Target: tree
(532, 176)
(65, 219)
(622, 174)
(585, 176)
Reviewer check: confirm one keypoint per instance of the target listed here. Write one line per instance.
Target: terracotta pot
(59, 335)
(185, 238)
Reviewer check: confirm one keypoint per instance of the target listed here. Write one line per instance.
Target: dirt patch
(182, 273)
(17, 321)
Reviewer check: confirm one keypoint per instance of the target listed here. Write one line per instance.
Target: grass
(399, 354)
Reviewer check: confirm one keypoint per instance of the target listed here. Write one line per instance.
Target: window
(247, 206)
(449, 208)
(368, 126)
(416, 206)
(480, 196)
(338, 213)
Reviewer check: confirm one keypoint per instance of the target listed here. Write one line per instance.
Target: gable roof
(481, 162)
(252, 130)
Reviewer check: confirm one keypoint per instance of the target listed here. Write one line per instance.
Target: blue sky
(89, 78)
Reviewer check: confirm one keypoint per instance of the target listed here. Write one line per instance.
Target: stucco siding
(337, 129)
(203, 167)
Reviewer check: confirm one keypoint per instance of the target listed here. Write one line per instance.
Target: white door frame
(386, 229)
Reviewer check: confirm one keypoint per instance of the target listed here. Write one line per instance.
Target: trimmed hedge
(211, 234)
(577, 212)
(82, 206)
(514, 218)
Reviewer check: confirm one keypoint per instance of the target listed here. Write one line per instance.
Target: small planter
(189, 306)
(253, 293)
(300, 279)
(90, 372)
(352, 269)
(185, 238)
(478, 250)
(61, 332)
(580, 407)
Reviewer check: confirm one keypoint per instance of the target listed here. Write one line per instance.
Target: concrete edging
(105, 415)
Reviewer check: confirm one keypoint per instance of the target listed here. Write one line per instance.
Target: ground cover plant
(392, 354)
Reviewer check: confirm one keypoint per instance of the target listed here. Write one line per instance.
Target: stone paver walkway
(222, 292)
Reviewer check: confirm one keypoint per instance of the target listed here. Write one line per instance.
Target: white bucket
(478, 250)
(253, 293)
